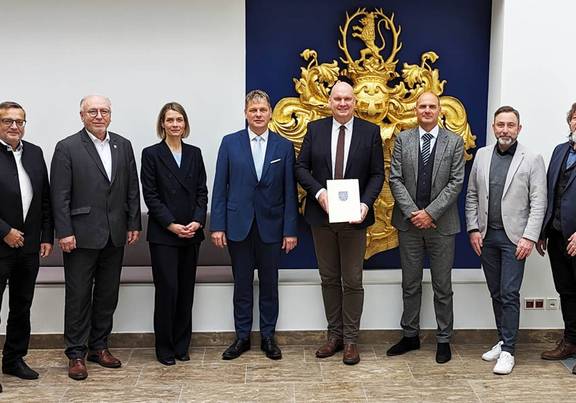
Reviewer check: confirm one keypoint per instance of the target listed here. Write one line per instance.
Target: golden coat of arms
(389, 105)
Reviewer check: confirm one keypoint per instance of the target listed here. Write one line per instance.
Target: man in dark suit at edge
(341, 147)
(96, 204)
(558, 236)
(27, 231)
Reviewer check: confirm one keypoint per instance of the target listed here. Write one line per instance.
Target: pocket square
(275, 161)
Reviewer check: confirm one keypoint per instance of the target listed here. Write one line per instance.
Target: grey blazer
(524, 199)
(85, 202)
(447, 180)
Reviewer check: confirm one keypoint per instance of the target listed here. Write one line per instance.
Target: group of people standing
(92, 204)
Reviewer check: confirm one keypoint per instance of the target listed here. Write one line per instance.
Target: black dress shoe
(20, 369)
(183, 357)
(404, 345)
(443, 353)
(269, 346)
(236, 349)
(166, 361)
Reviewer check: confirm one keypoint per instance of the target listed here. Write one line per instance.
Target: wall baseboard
(312, 337)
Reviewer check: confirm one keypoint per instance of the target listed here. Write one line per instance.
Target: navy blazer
(39, 225)
(173, 194)
(365, 162)
(238, 197)
(567, 201)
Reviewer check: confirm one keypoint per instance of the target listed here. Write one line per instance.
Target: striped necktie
(426, 148)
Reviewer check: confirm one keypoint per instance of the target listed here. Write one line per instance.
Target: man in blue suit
(558, 236)
(254, 213)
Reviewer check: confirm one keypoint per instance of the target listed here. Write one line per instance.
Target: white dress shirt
(26, 191)
(433, 132)
(103, 148)
(334, 145)
(334, 142)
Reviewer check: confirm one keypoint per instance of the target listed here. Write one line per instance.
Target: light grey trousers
(415, 244)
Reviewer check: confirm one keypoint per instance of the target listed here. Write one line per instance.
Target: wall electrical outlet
(538, 303)
(551, 304)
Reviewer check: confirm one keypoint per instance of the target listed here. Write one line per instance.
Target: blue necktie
(258, 155)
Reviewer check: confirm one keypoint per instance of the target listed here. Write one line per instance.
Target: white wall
(143, 54)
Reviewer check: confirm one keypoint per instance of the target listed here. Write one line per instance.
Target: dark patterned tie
(339, 166)
(426, 148)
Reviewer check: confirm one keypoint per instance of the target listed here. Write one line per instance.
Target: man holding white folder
(341, 147)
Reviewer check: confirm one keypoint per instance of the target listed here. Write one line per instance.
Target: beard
(505, 141)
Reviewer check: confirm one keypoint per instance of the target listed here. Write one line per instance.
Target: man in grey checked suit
(426, 177)
(505, 207)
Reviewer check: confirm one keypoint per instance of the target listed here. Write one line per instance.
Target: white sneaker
(494, 353)
(504, 364)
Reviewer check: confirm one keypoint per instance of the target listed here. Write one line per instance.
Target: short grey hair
(94, 95)
(257, 95)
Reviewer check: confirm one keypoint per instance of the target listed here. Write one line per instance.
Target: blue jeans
(504, 275)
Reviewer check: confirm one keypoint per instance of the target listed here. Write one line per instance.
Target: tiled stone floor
(299, 376)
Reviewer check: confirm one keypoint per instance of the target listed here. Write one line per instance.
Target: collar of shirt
(348, 125)
(9, 147)
(96, 140)
(253, 135)
(510, 151)
(433, 132)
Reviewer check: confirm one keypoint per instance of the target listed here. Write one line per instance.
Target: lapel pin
(115, 146)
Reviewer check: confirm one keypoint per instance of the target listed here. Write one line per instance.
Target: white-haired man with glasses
(96, 202)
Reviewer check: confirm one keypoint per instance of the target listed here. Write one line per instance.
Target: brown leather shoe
(351, 355)
(104, 358)
(563, 350)
(328, 349)
(77, 369)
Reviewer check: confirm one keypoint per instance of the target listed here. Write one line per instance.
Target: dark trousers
(92, 278)
(414, 244)
(564, 273)
(340, 252)
(20, 270)
(174, 273)
(504, 274)
(247, 255)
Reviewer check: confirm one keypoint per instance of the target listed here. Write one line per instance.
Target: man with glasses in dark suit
(27, 232)
(96, 201)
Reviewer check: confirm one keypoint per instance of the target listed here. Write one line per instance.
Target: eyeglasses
(9, 122)
(94, 112)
